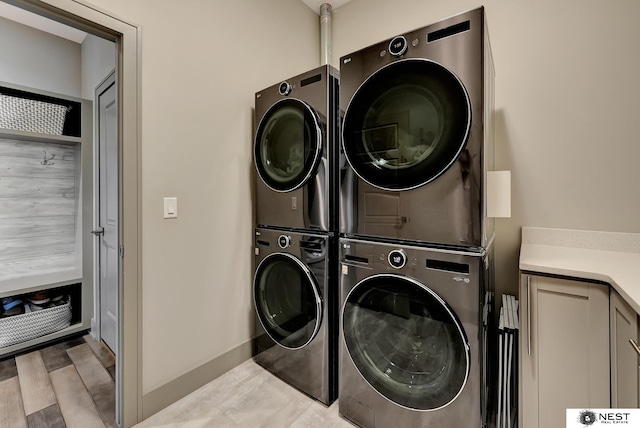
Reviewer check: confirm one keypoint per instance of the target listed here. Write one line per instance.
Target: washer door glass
(287, 301)
(406, 124)
(406, 342)
(288, 145)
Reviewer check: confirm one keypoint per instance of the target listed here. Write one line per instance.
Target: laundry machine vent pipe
(325, 33)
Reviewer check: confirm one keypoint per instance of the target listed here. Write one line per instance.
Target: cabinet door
(624, 358)
(564, 348)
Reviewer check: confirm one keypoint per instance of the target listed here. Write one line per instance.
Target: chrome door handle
(98, 231)
(635, 346)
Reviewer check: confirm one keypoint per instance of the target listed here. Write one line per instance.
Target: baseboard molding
(171, 392)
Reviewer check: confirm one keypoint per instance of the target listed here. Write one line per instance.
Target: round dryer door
(287, 301)
(406, 342)
(406, 124)
(288, 145)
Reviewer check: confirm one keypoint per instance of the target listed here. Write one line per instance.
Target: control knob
(284, 88)
(284, 241)
(397, 259)
(398, 46)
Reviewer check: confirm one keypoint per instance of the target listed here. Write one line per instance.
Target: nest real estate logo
(581, 418)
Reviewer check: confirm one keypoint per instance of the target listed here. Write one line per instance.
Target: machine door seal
(287, 301)
(406, 124)
(288, 145)
(406, 342)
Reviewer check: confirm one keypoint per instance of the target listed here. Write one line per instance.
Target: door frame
(93, 20)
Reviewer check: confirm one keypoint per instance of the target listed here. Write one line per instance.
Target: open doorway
(125, 38)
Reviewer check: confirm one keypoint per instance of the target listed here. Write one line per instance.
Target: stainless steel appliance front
(295, 298)
(414, 335)
(417, 133)
(295, 152)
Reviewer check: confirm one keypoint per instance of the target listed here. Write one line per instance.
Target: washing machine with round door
(417, 132)
(295, 152)
(415, 334)
(295, 296)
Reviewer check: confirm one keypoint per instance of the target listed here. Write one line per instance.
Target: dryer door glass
(287, 301)
(287, 145)
(406, 124)
(406, 342)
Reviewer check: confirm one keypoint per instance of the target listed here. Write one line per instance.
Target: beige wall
(567, 96)
(202, 63)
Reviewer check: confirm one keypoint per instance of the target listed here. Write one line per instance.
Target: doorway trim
(89, 18)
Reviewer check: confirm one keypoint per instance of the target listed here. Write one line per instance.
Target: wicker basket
(20, 328)
(22, 114)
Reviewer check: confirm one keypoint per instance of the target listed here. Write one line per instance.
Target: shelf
(46, 209)
(30, 284)
(12, 134)
(74, 328)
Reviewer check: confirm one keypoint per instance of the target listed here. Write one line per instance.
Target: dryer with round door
(417, 134)
(414, 336)
(295, 297)
(294, 152)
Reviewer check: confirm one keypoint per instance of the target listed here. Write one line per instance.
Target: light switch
(170, 207)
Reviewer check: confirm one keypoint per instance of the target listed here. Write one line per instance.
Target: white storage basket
(20, 328)
(22, 114)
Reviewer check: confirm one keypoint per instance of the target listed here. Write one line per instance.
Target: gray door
(287, 300)
(288, 145)
(405, 341)
(108, 211)
(406, 124)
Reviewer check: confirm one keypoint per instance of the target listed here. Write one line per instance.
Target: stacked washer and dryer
(381, 268)
(415, 247)
(296, 194)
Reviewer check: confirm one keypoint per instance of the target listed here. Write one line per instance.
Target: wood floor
(71, 384)
(66, 385)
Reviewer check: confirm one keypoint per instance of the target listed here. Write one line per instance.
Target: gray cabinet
(624, 353)
(564, 349)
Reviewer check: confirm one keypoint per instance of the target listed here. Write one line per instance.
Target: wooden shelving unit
(46, 210)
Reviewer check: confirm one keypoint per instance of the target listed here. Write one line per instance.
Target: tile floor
(247, 396)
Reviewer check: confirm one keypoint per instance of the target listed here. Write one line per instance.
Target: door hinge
(121, 250)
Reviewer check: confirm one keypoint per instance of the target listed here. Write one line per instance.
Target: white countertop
(609, 257)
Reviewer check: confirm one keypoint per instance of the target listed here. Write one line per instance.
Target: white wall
(567, 96)
(202, 63)
(36, 59)
(98, 60)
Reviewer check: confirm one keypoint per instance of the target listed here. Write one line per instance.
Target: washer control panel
(284, 241)
(397, 259)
